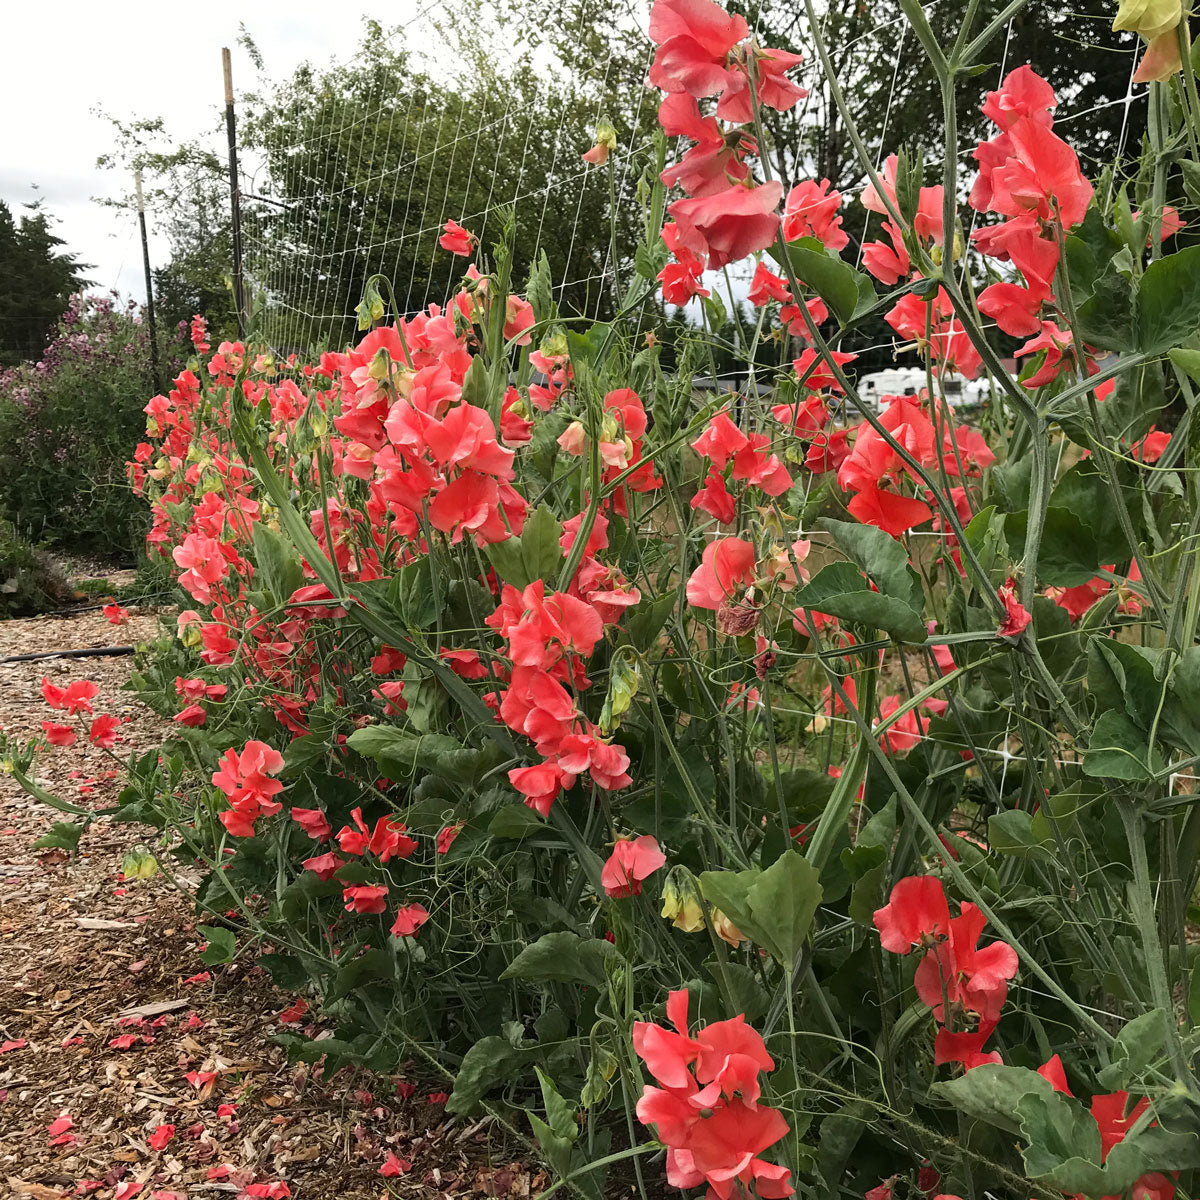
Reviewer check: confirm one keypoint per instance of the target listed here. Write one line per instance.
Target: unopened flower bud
(725, 929)
(606, 142)
(378, 370)
(681, 900)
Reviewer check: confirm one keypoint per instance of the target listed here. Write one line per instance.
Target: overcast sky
(137, 58)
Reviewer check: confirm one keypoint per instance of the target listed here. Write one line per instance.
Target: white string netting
(368, 178)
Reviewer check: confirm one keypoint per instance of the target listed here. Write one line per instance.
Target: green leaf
(354, 975)
(303, 893)
(992, 1093)
(747, 995)
(488, 1061)
(1132, 670)
(985, 535)
(540, 547)
(416, 599)
(399, 752)
(1153, 1149)
(555, 1149)
(1064, 1142)
(538, 291)
(881, 556)
(277, 560)
(1011, 833)
(714, 308)
(880, 830)
(649, 260)
(62, 835)
(536, 554)
(42, 796)
(585, 347)
(839, 1136)
(515, 821)
(835, 281)
(729, 891)
(840, 590)
(784, 901)
(221, 944)
(1119, 750)
(773, 908)
(560, 1114)
(1139, 1043)
(645, 622)
(286, 971)
(1086, 493)
(1188, 361)
(1106, 317)
(562, 957)
(1168, 301)
(1070, 554)
(866, 896)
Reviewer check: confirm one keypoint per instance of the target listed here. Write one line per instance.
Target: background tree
(365, 161)
(187, 199)
(37, 278)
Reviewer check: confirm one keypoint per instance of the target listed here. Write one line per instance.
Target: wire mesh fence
(354, 169)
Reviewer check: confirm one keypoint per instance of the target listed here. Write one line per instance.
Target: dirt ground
(129, 1068)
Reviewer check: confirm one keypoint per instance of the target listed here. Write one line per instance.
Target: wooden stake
(155, 368)
(235, 199)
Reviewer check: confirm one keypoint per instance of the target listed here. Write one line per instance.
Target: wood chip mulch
(128, 1068)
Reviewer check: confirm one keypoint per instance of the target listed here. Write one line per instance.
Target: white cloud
(137, 58)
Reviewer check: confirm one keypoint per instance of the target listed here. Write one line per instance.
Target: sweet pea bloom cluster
(703, 51)
(707, 1108)
(956, 977)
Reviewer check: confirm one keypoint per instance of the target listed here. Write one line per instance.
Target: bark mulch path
(129, 1068)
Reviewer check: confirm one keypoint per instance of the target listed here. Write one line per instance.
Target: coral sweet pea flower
(103, 731)
(888, 511)
(725, 563)
(365, 898)
(408, 920)
(630, 863)
(957, 970)
(811, 210)
(314, 822)
(1016, 616)
(323, 866)
(457, 240)
(965, 1048)
(729, 225)
(58, 735)
(916, 914)
(77, 697)
(694, 38)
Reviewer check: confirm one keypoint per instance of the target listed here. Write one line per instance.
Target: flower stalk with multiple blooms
(527, 684)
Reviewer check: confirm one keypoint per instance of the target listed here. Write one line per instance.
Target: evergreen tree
(37, 278)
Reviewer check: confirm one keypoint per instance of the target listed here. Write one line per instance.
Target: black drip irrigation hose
(95, 652)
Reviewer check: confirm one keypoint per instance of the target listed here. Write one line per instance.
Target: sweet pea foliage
(777, 789)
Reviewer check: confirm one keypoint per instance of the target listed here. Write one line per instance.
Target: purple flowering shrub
(66, 423)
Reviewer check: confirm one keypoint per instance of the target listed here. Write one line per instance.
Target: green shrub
(67, 423)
